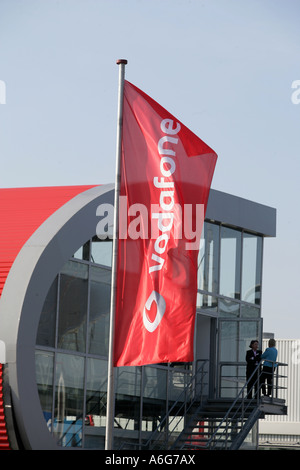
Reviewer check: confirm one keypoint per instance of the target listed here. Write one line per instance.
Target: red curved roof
(22, 211)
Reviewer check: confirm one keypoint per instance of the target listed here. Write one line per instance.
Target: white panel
(285, 426)
(2, 352)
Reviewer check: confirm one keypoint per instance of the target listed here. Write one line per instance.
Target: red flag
(166, 172)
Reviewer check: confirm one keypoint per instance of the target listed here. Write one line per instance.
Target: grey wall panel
(239, 212)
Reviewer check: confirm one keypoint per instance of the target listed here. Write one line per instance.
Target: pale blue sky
(223, 67)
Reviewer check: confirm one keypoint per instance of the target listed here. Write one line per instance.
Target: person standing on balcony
(253, 357)
(268, 368)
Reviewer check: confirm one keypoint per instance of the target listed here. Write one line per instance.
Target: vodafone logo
(161, 308)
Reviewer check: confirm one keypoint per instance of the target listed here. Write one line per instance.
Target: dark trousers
(252, 384)
(267, 375)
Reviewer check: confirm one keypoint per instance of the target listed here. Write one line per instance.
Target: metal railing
(244, 411)
(187, 407)
(235, 382)
(171, 425)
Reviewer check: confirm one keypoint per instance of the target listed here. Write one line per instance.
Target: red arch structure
(22, 211)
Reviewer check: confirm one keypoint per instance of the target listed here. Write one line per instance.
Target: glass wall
(71, 362)
(230, 263)
(72, 348)
(72, 341)
(229, 288)
(252, 266)
(208, 272)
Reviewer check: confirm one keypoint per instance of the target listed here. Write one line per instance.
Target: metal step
(216, 432)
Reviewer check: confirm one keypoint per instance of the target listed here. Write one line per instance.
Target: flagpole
(110, 373)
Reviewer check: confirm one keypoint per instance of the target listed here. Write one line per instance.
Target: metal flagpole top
(121, 61)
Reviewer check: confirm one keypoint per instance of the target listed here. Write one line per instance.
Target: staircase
(219, 425)
(216, 424)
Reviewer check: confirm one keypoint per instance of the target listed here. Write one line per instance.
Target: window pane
(73, 306)
(155, 383)
(101, 252)
(207, 302)
(252, 261)
(100, 286)
(44, 380)
(228, 353)
(178, 384)
(230, 269)
(127, 404)
(228, 341)
(46, 329)
(155, 392)
(96, 391)
(228, 308)
(84, 252)
(69, 400)
(208, 259)
(247, 311)
(248, 331)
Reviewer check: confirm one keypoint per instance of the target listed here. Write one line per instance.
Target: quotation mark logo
(296, 94)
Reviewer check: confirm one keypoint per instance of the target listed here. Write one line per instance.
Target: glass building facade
(72, 341)
(230, 284)
(55, 283)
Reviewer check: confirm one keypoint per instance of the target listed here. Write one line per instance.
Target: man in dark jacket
(253, 357)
